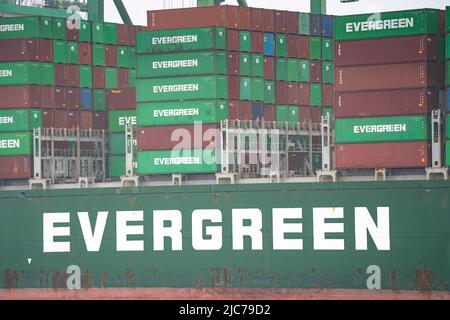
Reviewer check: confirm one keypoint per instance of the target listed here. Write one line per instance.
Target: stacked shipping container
(447, 91)
(387, 80)
(232, 62)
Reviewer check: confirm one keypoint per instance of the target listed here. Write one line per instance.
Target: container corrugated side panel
(173, 113)
(20, 119)
(187, 161)
(182, 88)
(15, 144)
(16, 97)
(117, 144)
(415, 154)
(18, 167)
(400, 128)
(181, 64)
(119, 118)
(386, 24)
(25, 27)
(116, 166)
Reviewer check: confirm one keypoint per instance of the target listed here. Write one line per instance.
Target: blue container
(86, 99)
(327, 26)
(257, 110)
(448, 100)
(269, 44)
(315, 23)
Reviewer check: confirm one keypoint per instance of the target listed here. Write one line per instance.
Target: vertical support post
(78, 164)
(224, 147)
(436, 138)
(326, 149)
(103, 156)
(310, 150)
(129, 151)
(37, 153)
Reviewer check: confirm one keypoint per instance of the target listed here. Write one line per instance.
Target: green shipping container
(26, 27)
(123, 57)
(447, 19)
(117, 120)
(327, 49)
(447, 72)
(447, 126)
(293, 70)
(269, 92)
(329, 111)
(245, 64)
(182, 64)
(59, 51)
(257, 65)
(319, 6)
(447, 148)
(182, 88)
(245, 41)
(98, 55)
(315, 48)
(132, 57)
(305, 71)
(16, 144)
(287, 114)
(98, 32)
(99, 100)
(117, 144)
(281, 45)
(303, 23)
(181, 40)
(20, 119)
(132, 78)
(447, 45)
(246, 88)
(327, 72)
(281, 69)
(111, 78)
(25, 73)
(117, 166)
(59, 28)
(386, 24)
(85, 32)
(73, 55)
(379, 129)
(257, 89)
(181, 113)
(315, 94)
(110, 33)
(441, 48)
(177, 161)
(85, 77)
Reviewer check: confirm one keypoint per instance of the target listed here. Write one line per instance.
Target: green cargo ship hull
(411, 250)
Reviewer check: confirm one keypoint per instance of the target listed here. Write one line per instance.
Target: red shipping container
(59, 119)
(233, 40)
(268, 20)
(98, 74)
(47, 97)
(257, 42)
(48, 118)
(73, 98)
(280, 21)
(117, 99)
(240, 110)
(387, 77)
(233, 63)
(72, 30)
(99, 120)
(214, 16)
(86, 119)
(316, 71)
(15, 97)
(122, 34)
(269, 112)
(292, 93)
(244, 18)
(122, 77)
(312, 114)
(60, 98)
(168, 137)
(26, 50)
(281, 92)
(72, 75)
(304, 94)
(73, 119)
(303, 47)
(327, 95)
(60, 75)
(386, 51)
(269, 68)
(110, 55)
(16, 167)
(85, 52)
(234, 88)
(442, 18)
(294, 161)
(131, 35)
(292, 46)
(385, 103)
(292, 22)
(414, 154)
(256, 18)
